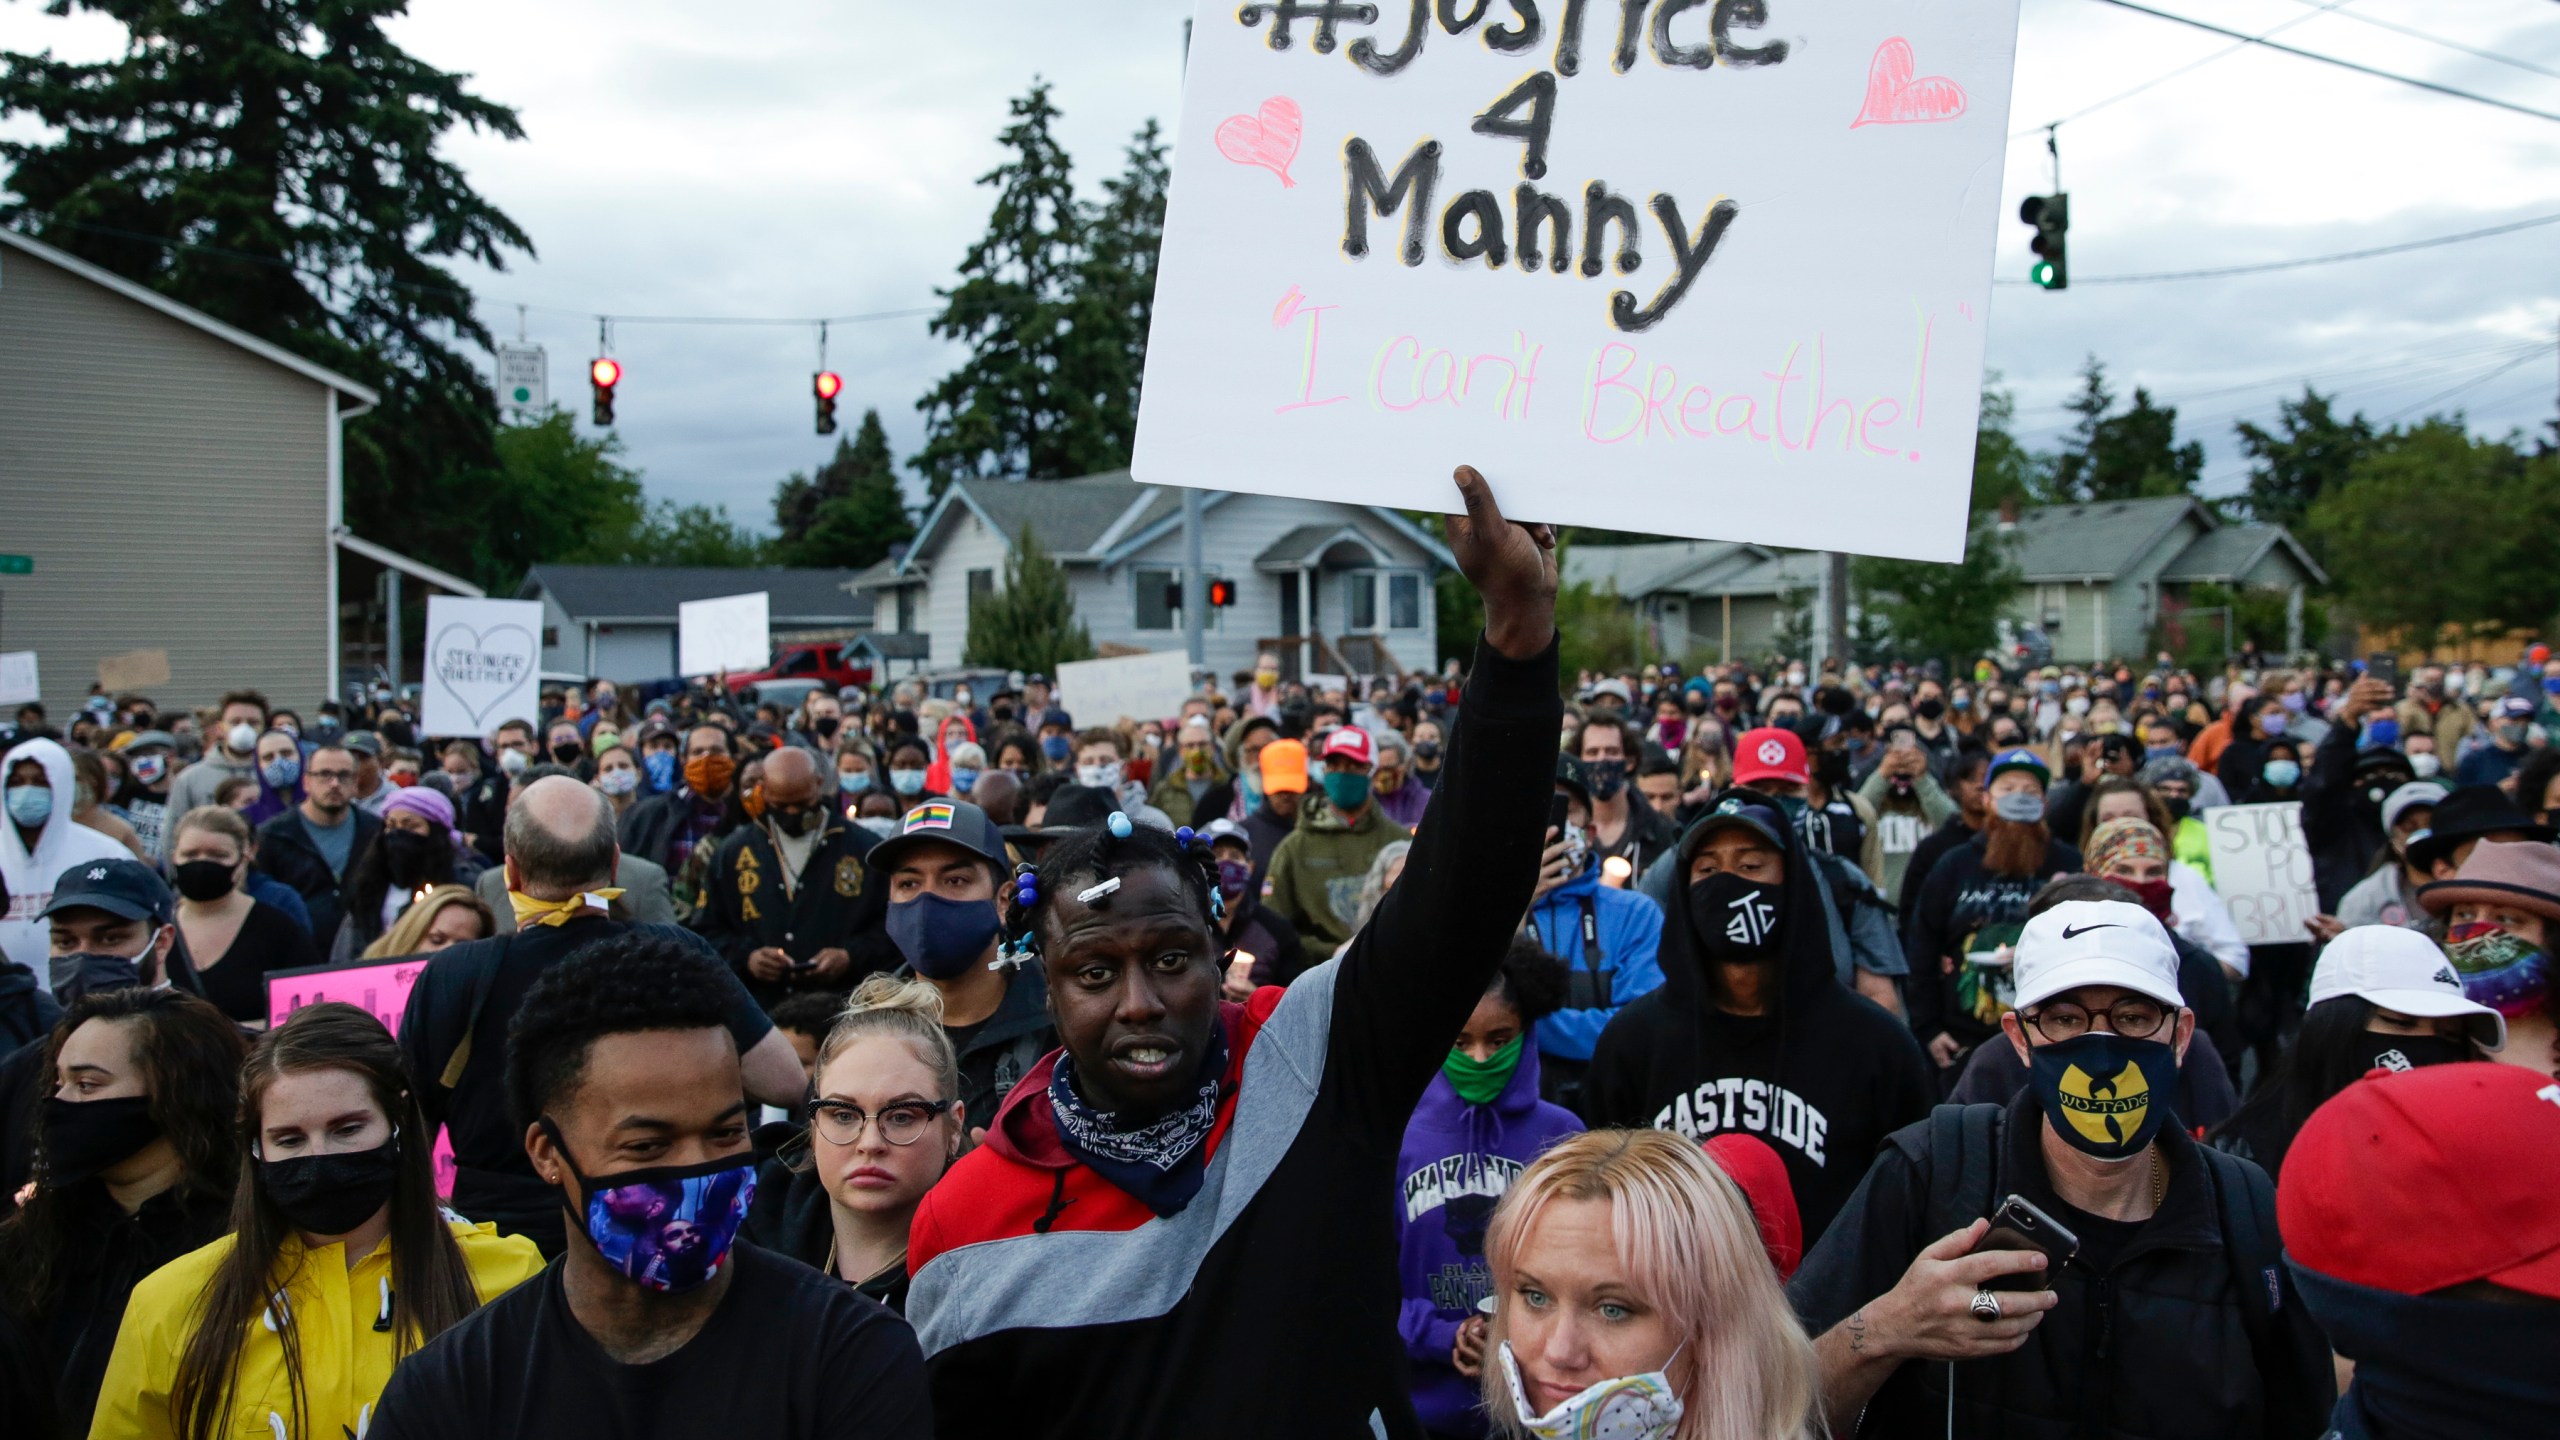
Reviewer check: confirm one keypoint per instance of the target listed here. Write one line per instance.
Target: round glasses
(900, 1124)
(2132, 1019)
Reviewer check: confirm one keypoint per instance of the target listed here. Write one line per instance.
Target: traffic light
(1222, 593)
(2051, 215)
(604, 375)
(826, 385)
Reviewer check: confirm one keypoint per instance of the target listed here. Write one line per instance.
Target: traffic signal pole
(1195, 583)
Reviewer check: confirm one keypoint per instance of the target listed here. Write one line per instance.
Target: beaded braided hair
(1097, 857)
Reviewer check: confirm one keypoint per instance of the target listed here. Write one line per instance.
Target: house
(618, 622)
(2097, 577)
(176, 483)
(1331, 588)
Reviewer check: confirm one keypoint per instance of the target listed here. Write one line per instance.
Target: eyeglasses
(341, 776)
(2132, 1019)
(900, 1124)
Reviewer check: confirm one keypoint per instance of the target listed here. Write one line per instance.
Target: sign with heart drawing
(484, 664)
(1710, 268)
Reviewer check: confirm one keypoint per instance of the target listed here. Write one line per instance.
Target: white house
(620, 621)
(1332, 588)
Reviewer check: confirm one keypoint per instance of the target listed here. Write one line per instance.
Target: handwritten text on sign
(2262, 867)
(1703, 267)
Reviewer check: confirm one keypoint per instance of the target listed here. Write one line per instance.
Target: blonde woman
(1633, 1299)
(442, 918)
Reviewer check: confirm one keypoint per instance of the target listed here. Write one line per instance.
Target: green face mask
(1478, 1081)
(1347, 789)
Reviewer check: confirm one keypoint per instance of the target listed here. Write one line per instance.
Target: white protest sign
(1142, 687)
(2262, 867)
(484, 664)
(729, 633)
(1717, 270)
(18, 678)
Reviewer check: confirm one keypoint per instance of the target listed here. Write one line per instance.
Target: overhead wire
(2262, 267)
(2416, 34)
(2247, 38)
(2321, 7)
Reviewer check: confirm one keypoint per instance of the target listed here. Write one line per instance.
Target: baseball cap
(2401, 970)
(2019, 758)
(2417, 792)
(2096, 942)
(1284, 765)
(362, 742)
(127, 888)
(1569, 775)
(2466, 1156)
(149, 739)
(940, 822)
(1223, 828)
(1073, 807)
(1611, 687)
(2515, 707)
(1770, 753)
(1350, 743)
(1733, 809)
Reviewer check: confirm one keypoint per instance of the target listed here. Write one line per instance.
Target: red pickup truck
(824, 662)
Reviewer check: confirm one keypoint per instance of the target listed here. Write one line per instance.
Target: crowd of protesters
(1764, 1051)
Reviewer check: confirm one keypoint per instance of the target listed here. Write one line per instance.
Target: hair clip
(1118, 825)
(1089, 895)
(1015, 953)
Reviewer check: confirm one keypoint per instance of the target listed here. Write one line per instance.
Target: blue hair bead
(1118, 825)
(1183, 835)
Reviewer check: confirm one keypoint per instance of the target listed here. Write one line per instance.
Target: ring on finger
(1986, 1306)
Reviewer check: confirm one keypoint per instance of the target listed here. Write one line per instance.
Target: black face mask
(2178, 805)
(2412, 1052)
(1929, 709)
(1736, 919)
(409, 857)
(826, 725)
(1428, 751)
(567, 754)
(332, 1194)
(1832, 769)
(203, 880)
(794, 823)
(2105, 1095)
(83, 1137)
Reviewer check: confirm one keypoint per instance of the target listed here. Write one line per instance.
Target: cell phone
(2385, 668)
(1905, 740)
(1556, 810)
(2019, 1225)
(804, 964)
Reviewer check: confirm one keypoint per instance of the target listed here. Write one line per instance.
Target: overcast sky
(789, 158)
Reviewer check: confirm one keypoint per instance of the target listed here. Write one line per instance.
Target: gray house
(619, 622)
(1334, 589)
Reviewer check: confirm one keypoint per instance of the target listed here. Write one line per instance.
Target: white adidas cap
(2096, 942)
(2401, 970)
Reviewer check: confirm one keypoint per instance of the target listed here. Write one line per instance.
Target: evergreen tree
(863, 513)
(1116, 286)
(1024, 402)
(2309, 453)
(273, 163)
(2131, 456)
(2435, 530)
(1030, 622)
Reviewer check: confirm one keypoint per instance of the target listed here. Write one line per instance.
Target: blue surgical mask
(1057, 748)
(661, 768)
(962, 780)
(907, 782)
(2019, 807)
(853, 782)
(2283, 774)
(667, 1227)
(31, 805)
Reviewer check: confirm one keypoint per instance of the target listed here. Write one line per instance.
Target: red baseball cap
(1761, 1172)
(2432, 1177)
(1770, 753)
(1351, 743)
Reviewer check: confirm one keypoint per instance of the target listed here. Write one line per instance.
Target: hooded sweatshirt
(1824, 1075)
(2433, 1368)
(1314, 879)
(1624, 927)
(1457, 1161)
(28, 876)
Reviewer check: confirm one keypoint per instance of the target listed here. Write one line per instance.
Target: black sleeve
(1924, 948)
(748, 1023)
(1609, 1082)
(429, 1026)
(2328, 790)
(1412, 975)
(719, 921)
(1869, 1245)
(873, 1382)
(866, 937)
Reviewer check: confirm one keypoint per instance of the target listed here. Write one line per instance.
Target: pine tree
(2310, 453)
(1116, 286)
(859, 511)
(274, 164)
(2131, 456)
(1030, 623)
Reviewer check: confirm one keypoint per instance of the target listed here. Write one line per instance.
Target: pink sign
(380, 990)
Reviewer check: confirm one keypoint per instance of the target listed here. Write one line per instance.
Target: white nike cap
(2096, 942)
(2401, 970)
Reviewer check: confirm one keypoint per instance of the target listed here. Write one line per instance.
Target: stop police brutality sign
(1716, 268)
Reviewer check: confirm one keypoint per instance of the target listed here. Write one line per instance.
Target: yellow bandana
(531, 912)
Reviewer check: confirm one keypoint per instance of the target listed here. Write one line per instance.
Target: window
(1360, 599)
(982, 584)
(1155, 608)
(1404, 602)
(906, 610)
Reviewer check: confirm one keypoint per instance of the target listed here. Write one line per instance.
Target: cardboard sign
(2262, 867)
(380, 990)
(1716, 270)
(730, 633)
(134, 669)
(484, 664)
(18, 683)
(1140, 687)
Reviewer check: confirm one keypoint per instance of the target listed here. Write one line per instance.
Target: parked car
(820, 662)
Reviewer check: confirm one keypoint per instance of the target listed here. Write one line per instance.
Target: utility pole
(1835, 608)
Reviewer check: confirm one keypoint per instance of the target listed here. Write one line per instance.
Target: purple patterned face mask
(667, 1227)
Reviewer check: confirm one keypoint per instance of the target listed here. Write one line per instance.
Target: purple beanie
(420, 800)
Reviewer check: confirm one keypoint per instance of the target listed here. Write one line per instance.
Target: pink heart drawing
(1269, 139)
(1895, 96)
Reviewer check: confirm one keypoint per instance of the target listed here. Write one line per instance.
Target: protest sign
(1672, 267)
(380, 990)
(730, 633)
(484, 664)
(134, 669)
(2262, 867)
(18, 684)
(1142, 687)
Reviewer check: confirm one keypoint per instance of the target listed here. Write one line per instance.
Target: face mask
(281, 771)
(2077, 705)
(1607, 778)
(619, 781)
(2178, 805)
(853, 782)
(1100, 777)
(1427, 753)
(2019, 807)
(963, 780)
(884, 826)
(794, 823)
(2513, 731)
(2499, 969)
(1632, 1407)
(1577, 848)
(203, 880)
(1196, 762)
(1348, 790)
(1831, 767)
(568, 752)
(2383, 733)
(408, 856)
(1478, 1082)
(2272, 723)
(825, 726)
(1235, 877)
(668, 1227)
(2154, 895)
(332, 1194)
(2161, 752)
(1929, 709)
(90, 972)
(2396, 1053)
(2297, 702)
(1793, 807)
(147, 769)
(1266, 678)
(512, 762)
(84, 1137)
(1056, 749)
(1736, 919)
(30, 805)
(709, 775)
(660, 766)
(907, 782)
(2105, 1095)
(2283, 774)
(240, 739)
(940, 937)
(2426, 766)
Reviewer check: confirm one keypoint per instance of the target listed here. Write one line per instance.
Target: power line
(2265, 266)
(2471, 384)
(2333, 60)
(2320, 8)
(2416, 34)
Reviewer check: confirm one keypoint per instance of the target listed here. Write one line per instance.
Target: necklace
(2159, 1178)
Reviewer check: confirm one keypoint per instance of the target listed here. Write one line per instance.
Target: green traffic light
(2042, 274)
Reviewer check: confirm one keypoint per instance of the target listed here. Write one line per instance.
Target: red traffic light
(1222, 593)
(828, 384)
(607, 373)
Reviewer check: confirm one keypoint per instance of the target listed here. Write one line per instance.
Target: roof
(1782, 571)
(1308, 542)
(2099, 540)
(882, 575)
(190, 316)
(895, 646)
(2227, 556)
(1092, 519)
(641, 593)
(1638, 570)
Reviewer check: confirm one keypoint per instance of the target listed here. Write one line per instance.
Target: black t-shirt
(2101, 1239)
(237, 981)
(789, 1353)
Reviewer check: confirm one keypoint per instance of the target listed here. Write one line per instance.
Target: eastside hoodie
(1458, 1160)
(1824, 1076)
(27, 875)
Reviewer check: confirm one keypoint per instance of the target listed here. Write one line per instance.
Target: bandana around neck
(1162, 1163)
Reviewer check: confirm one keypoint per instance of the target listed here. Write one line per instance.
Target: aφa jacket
(347, 1355)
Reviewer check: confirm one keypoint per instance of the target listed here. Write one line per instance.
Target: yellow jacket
(345, 1360)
